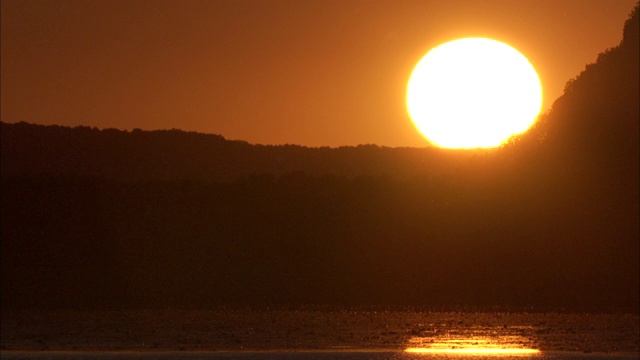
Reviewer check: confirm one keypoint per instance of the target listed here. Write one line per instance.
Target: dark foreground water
(303, 355)
(317, 334)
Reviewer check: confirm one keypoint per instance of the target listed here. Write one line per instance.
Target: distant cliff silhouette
(108, 218)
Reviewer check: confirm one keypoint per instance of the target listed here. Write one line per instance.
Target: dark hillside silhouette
(29, 149)
(596, 119)
(588, 147)
(108, 218)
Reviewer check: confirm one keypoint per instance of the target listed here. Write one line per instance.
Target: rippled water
(315, 334)
(305, 355)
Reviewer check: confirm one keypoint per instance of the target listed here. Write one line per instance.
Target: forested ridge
(173, 155)
(110, 218)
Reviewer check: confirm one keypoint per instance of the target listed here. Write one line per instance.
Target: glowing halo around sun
(473, 93)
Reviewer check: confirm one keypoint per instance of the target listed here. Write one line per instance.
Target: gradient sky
(308, 72)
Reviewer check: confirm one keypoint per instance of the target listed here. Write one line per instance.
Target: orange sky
(312, 72)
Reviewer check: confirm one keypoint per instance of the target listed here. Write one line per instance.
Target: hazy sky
(308, 72)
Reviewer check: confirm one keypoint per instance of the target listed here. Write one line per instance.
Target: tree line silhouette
(108, 218)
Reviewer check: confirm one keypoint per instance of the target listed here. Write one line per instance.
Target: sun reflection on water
(472, 345)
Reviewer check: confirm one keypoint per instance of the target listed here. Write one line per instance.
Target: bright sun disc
(473, 93)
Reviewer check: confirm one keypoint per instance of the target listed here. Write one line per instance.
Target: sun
(473, 93)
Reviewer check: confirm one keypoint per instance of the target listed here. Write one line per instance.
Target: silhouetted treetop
(630, 34)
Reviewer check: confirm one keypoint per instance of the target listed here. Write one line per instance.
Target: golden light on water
(480, 345)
